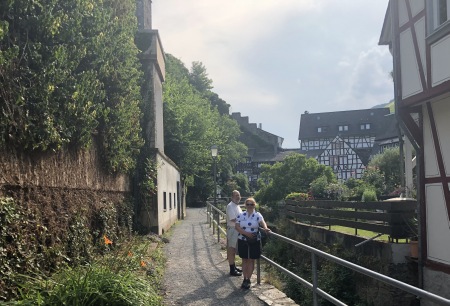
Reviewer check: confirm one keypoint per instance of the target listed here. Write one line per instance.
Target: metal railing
(214, 216)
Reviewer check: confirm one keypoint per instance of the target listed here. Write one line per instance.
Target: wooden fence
(391, 217)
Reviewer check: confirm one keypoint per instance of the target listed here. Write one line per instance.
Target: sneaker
(238, 269)
(235, 273)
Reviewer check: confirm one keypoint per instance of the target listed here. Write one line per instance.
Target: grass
(362, 233)
(126, 275)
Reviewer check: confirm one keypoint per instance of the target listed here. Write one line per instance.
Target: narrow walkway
(197, 273)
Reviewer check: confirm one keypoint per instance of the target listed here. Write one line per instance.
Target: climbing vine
(68, 70)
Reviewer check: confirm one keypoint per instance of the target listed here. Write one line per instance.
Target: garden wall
(385, 258)
(62, 206)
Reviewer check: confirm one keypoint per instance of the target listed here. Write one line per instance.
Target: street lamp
(214, 151)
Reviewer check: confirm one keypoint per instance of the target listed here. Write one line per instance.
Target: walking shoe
(245, 284)
(235, 273)
(238, 269)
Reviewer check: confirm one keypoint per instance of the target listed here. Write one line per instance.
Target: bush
(369, 195)
(122, 277)
(318, 187)
(298, 196)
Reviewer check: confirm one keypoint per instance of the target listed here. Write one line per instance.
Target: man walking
(233, 210)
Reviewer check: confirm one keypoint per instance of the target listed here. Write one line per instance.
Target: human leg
(232, 235)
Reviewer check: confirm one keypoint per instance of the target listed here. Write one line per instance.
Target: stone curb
(266, 292)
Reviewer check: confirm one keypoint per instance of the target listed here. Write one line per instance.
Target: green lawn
(362, 233)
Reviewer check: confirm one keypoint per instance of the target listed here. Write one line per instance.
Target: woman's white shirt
(249, 222)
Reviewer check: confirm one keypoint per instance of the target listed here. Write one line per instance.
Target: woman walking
(249, 241)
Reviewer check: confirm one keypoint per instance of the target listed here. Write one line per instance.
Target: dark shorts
(249, 251)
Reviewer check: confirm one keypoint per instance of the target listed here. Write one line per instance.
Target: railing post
(258, 271)
(218, 225)
(314, 278)
(213, 215)
(208, 209)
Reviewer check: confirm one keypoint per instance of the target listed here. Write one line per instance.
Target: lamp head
(214, 151)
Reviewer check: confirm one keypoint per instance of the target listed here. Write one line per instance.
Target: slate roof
(331, 121)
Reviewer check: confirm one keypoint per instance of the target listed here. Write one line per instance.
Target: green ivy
(68, 70)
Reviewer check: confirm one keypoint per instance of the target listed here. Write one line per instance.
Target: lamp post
(214, 151)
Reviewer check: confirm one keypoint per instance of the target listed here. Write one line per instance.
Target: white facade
(418, 34)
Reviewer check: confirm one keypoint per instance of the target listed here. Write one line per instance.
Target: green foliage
(337, 191)
(294, 174)
(334, 279)
(298, 196)
(124, 276)
(191, 127)
(69, 70)
(374, 178)
(238, 181)
(318, 187)
(369, 195)
(198, 77)
(388, 163)
(36, 242)
(149, 187)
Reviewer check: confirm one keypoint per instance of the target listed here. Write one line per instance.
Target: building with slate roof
(346, 140)
(263, 148)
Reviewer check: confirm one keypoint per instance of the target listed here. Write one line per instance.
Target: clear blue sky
(273, 60)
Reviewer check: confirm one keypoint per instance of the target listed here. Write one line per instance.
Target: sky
(272, 60)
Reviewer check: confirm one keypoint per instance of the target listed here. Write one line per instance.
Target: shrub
(318, 187)
(123, 277)
(369, 195)
(298, 196)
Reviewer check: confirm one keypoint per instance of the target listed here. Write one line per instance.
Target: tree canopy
(192, 126)
(294, 174)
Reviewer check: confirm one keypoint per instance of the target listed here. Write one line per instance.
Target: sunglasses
(249, 204)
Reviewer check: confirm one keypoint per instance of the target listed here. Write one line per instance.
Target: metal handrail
(316, 252)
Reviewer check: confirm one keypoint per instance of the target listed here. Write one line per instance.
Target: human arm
(264, 226)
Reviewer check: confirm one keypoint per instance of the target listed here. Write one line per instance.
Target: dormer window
(343, 128)
(365, 126)
(322, 129)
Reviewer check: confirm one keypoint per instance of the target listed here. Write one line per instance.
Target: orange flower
(107, 241)
(130, 254)
(143, 264)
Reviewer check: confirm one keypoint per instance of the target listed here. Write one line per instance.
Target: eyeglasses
(249, 204)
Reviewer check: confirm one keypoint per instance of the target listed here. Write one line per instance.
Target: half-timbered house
(418, 35)
(346, 140)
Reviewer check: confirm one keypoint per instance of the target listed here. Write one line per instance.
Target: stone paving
(197, 270)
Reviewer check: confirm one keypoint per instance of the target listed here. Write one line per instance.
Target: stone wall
(78, 169)
(386, 258)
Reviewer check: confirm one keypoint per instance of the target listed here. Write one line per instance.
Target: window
(441, 12)
(165, 201)
(170, 200)
(343, 128)
(322, 129)
(365, 126)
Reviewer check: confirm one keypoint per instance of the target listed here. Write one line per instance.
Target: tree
(388, 163)
(199, 77)
(294, 174)
(191, 127)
